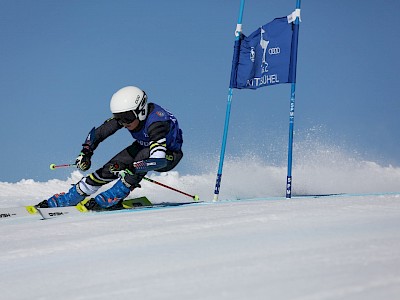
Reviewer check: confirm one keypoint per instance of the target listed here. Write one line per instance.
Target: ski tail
(15, 212)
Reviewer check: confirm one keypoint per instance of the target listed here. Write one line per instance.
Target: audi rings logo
(274, 51)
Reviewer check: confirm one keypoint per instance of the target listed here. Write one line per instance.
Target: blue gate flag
(266, 56)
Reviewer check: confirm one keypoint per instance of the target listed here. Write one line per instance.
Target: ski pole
(194, 197)
(54, 166)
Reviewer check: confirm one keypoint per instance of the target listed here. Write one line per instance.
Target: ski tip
(136, 202)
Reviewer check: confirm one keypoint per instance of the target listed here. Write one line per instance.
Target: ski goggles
(125, 117)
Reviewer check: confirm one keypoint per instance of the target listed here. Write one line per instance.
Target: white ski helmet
(128, 100)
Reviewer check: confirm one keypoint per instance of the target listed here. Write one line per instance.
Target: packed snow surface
(253, 244)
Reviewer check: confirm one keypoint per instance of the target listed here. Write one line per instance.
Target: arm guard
(150, 164)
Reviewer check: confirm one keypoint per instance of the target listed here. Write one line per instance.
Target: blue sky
(61, 61)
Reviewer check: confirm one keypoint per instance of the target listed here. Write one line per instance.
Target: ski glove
(83, 160)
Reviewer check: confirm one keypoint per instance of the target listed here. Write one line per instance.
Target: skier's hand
(83, 160)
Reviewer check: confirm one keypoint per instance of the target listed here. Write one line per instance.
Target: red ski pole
(195, 197)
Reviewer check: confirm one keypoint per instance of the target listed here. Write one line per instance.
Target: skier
(157, 147)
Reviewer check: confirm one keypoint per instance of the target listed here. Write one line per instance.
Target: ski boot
(73, 197)
(91, 205)
(113, 196)
(43, 204)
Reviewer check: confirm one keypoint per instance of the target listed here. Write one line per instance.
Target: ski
(16, 212)
(47, 213)
(54, 212)
(79, 209)
(128, 205)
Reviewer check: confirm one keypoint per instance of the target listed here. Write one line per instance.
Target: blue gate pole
(289, 182)
(228, 113)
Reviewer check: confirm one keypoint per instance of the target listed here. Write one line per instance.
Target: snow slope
(343, 246)
(336, 247)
